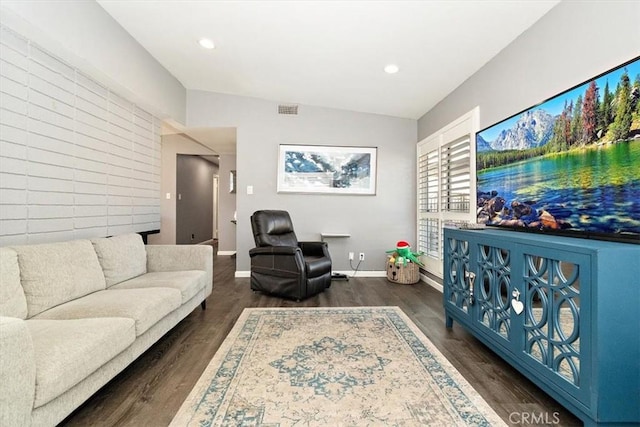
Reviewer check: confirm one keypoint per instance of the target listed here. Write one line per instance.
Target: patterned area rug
(331, 367)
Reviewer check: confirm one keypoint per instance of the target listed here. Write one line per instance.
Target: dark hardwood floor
(150, 391)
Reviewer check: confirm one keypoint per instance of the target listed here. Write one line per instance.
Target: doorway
(194, 199)
(216, 189)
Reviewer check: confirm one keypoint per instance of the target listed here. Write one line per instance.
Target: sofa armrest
(181, 257)
(17, 372)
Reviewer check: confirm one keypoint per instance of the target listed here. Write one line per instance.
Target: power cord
(355, 270)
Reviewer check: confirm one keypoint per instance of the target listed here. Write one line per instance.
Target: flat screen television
(569, 165)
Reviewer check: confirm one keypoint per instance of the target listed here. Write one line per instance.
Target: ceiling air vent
(289, 109)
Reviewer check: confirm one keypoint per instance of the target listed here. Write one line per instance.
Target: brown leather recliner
(280, 265)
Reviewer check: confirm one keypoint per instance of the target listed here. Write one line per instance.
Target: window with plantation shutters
(428, 200)
(446, 185)
(428, 181)
(455, 178)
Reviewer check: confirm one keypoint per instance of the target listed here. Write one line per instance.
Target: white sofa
(74, 314)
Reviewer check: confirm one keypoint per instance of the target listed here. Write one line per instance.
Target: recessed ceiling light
(206, 43)
(391, 69)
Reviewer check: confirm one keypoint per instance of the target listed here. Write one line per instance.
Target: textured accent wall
(76, 159)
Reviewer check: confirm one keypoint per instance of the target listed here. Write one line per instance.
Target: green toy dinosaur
(403, 251)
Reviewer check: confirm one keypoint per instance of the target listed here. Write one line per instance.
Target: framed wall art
(327, 169)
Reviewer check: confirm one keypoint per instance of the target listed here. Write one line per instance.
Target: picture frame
(327, 169)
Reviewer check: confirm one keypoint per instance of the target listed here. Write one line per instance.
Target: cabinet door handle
(516, 304)
(471, 278)
(470, 275)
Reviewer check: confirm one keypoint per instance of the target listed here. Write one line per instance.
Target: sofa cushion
(67, 351)
(17, 372)
(189, 283)
(13, 303)
(54, 273)
(121, 257)
(145, 306)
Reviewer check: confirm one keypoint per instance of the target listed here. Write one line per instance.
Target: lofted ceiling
(328, 53)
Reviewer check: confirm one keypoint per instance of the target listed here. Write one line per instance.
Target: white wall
(84, 35)
(575, 41)
(375, 223)
(76, 159)
(226, 206)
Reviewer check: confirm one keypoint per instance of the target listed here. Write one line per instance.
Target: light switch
(168, 196)
(249, 189)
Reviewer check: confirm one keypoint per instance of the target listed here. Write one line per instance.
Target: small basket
(403, 274)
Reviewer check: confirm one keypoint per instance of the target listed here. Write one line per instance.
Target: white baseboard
(429, 281)
(226, 252)
(363, 273)
(349, 273)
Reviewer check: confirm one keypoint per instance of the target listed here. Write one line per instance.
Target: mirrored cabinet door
(459, 277)
(553, 315)
(552, 318)
(493, 290)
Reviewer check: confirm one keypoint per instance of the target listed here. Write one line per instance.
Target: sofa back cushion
(54, 273)
(121, 257)
(12, 300)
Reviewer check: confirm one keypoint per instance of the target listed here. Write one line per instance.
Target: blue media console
(563, 311)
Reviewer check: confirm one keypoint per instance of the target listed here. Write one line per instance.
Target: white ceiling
(328, 53)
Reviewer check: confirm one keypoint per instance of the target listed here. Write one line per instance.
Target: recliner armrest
(274, 250)
(314, 248)
(278, 260)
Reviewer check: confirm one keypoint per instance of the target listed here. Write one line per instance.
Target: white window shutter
(446, 185)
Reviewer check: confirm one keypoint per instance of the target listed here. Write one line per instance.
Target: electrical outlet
(351, 256)
(361, 256)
